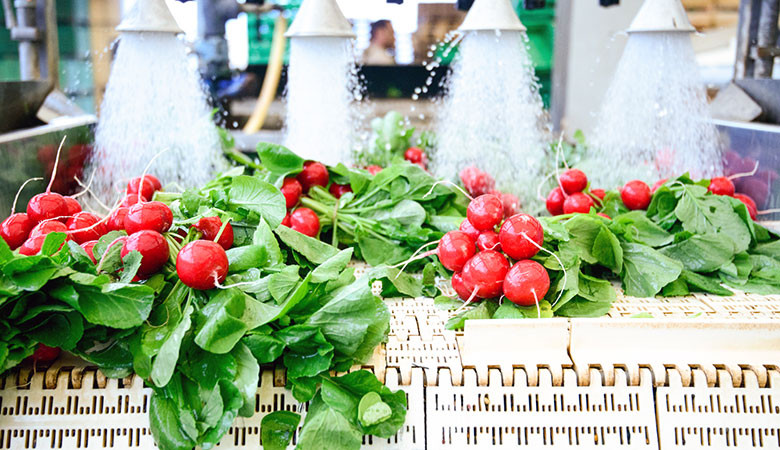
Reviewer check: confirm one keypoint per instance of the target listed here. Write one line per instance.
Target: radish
(305, 221)
(573, 181)
(526, 283)
(89, 247)
(658, 184)
(751, 205)
(604, 216)
(15, 229)
(374, 169)
(149, 186)
(460, 286)
(116, 221)
(291, 189)
(485, 212)
(488, 240)
(132, 199)
(519, 234)
(84, 220)
(511, 203)
(45, 354)
(48, 205)
(73, 206)
(555, 201)
(313, 174)
(577, 203)
(600, 193)
(485, 273)
(33, 245)
(337, 190)
(48, 226)
(476, 181)
(210, 226)
(721, 186)
(636, 195)
(153, 249)
(286, 220)
(469, 229)
(454, 249)
(415, 155)
(155, 216)
(202, 264)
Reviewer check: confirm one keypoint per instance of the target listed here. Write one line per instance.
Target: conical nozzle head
(661, 16)
(149, 15)
(320, 18)
(491, 15)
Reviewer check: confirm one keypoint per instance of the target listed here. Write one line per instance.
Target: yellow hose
(272, 75)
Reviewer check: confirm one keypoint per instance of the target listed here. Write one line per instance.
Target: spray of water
(322, 86)
(492, 114)
(654, 122)
(154, 101)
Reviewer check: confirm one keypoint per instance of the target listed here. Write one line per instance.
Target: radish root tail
(16, 198)
(745, 174)
(56, 163)
(448, 182)
(565, 276)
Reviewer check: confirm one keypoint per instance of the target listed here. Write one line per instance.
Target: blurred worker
(381, 50)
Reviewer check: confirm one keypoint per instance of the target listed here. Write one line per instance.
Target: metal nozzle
(320, 18)
(149, 15)
(661, 16)
(491, 15)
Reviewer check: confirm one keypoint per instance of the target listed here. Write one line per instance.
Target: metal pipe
(766, 38)
(10, 17)
(27, 35)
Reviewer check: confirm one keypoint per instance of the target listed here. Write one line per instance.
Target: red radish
(658, 184)
(555, 201)
(721, 186)
(374, 169)
(45, 354)
(313, 174)
(469, 229)
(89, 247)
(48, 226)
(116, 221)
(210, 226)
(73, 206)
(526, 283)
(636, 195)
(15, 229)
(84, 220)
(600, 193)
(305, 221)
(147, 178)
(132, 199)
(33, 245)
(337, 190)
(485, 212)
(751, 205)
(48, 205)
(485, 272)
(149, 187)
(202, 264)
(604, 216)
(155, 216)
(511, 203)
(488, 240)
(454, 249)
(286, 220)
(291, 189)
(153, 249)
(577, 203)
(415, 155)
(515, 234)
(573, 181)
(476, 181)
(460, 287)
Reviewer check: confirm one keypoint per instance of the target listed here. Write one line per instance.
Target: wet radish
(210, 226)
(313, 174)
(526, 283)
(721, 186)
(85, 227)
(415, 155)
(515, 234)
(48, 205)
(573, 181)
(577, 203)
(658, 184)
(749, 203)
(155, 216)
(460, 287)
(73, 206)
(48, 226)
(485, 272)
(469, 229)
(373, 170)
(488, 240)
(202, 264)
(600, 193)
(476, 181)
(148, 189)
(45, 354)
(33, 245)
(89, 247)
(485, 212)
(305, 221)
(286, 220)
(455, 249)
(116, 221)
(554, 202)
(15, 229)
(291, 189)
(636, 195)
(132, 199)
(153, 249)
(337, 190)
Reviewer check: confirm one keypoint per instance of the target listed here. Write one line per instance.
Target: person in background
(381, 50)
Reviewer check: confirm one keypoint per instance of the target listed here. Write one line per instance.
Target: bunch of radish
(478, 182)
(491, 256)
(572, 195)
(724, 186)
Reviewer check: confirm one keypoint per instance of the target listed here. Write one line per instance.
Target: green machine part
(261, 31)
